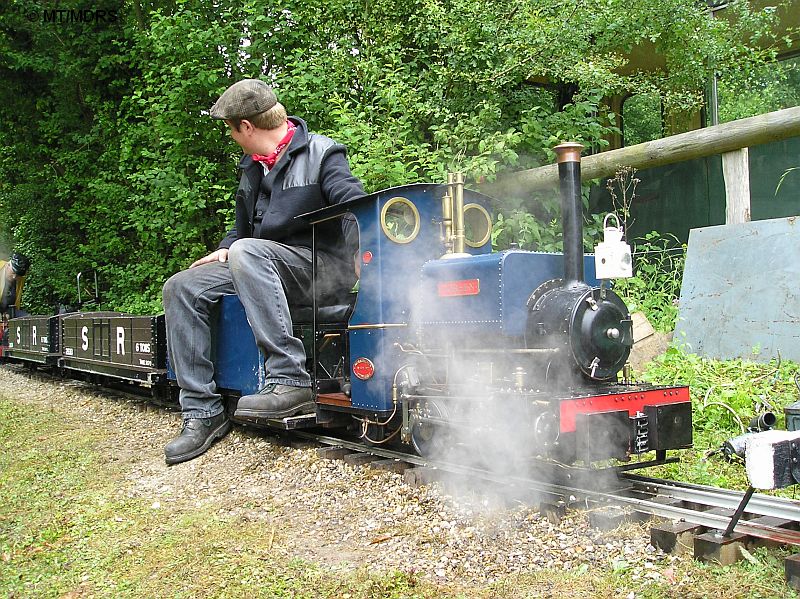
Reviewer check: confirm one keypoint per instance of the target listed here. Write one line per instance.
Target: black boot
(196, 437)
(275, 401)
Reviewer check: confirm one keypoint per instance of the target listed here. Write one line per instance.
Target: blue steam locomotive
(446, 346)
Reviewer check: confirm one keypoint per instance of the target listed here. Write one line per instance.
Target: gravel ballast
(330, 513)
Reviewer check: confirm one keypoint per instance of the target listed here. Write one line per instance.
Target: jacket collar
(298, 143)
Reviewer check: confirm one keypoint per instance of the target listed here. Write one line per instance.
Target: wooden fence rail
(729, 139)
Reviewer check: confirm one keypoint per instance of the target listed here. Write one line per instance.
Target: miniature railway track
(714, 497)
(765, 517)
(713, 508)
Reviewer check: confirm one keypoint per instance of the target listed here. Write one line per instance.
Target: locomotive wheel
(428, 435)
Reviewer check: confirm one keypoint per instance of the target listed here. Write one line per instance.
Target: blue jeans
(265, 275)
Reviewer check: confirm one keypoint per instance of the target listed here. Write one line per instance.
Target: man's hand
(221, 255)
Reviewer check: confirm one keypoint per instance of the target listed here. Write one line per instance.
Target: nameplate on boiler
(457, 288)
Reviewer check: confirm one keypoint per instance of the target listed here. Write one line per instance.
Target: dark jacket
(5, 302)
(312, 173)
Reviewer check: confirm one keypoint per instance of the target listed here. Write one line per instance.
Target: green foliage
(526, 231)
(541, 230)
(585, 120)
(656, 285)
(724, 394)
(642, 119)
(109, 162)
(766, 88)
(745, 386)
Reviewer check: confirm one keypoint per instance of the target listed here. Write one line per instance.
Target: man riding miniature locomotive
(266, 259)
(12, 279)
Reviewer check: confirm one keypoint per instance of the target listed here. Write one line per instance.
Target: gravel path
(330, 513)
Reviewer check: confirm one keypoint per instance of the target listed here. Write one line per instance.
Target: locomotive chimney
(569, 178)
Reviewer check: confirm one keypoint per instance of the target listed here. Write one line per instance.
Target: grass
(697, 581)
(69, 529)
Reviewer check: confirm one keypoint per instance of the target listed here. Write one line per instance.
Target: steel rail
(710, 520)
(760, 504)
(659, 490)
(551, 491)
(361, 447)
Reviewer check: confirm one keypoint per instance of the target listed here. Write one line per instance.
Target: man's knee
(172, 287)
(238, 251)
(178, 285)
(244, 252)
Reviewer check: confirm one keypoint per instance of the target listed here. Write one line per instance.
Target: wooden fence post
(736, 171)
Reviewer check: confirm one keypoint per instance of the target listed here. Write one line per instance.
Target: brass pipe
(458, 214)
(447, 222)
(451, 188)
(447, 215)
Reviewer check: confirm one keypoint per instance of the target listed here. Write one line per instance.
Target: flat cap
(243, 99)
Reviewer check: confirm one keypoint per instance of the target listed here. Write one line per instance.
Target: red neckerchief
(272, 157)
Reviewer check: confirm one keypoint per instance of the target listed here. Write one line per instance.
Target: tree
(109, 161)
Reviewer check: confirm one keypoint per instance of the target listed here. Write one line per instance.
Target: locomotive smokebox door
(669, 425)
(590, 326)
(602, 435)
